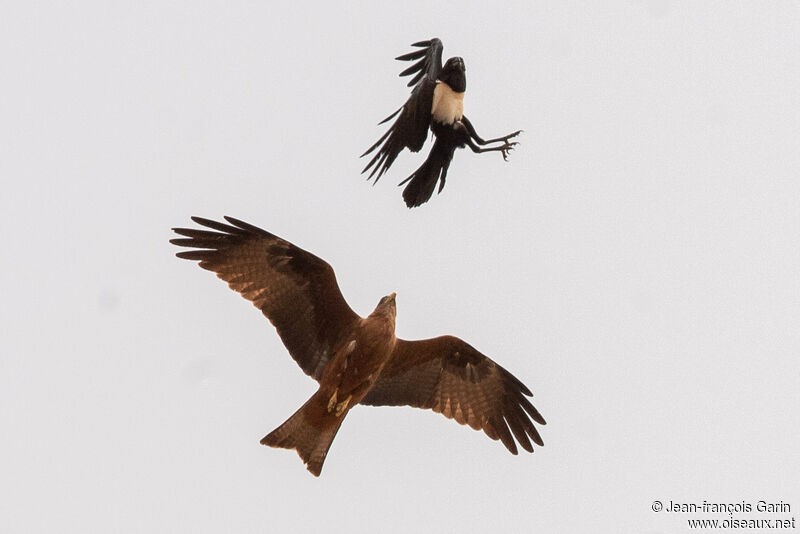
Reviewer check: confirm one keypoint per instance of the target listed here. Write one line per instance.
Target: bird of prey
(355, 360)
(436, 102)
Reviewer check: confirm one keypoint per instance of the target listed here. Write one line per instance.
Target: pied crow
(436, 102)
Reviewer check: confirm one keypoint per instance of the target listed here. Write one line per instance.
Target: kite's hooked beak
(388, 300)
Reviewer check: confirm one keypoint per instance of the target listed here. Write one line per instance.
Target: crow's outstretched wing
(430, 61)
(410, 129)
(296, 290)
(450, 377)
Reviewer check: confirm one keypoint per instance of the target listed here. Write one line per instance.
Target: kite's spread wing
(448, 376)
(296, 290)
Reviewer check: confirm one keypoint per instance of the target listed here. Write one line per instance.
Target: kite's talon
(332, 401)
(342, 406)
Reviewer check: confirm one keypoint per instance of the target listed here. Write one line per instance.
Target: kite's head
(388, 300)
(454, 74)
(387, 306)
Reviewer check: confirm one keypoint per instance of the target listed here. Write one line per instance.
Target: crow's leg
(505, 148)
(466, 138)
(478, 139)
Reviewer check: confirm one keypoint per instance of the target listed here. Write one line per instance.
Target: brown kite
(355, 360)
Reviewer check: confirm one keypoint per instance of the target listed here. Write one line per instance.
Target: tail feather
(310, 431)
(422, 183)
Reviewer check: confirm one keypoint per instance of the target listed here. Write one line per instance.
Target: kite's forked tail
(310, 431)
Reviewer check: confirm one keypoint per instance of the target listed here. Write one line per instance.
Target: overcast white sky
(635, 263)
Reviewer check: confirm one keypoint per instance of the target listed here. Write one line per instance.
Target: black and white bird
(436, 102)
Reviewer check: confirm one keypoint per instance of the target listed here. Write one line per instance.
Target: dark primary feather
(410, 129)
(430, 60)
(295, 290)
(449, 376)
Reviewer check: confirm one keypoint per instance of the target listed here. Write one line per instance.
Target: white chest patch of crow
(448, 106)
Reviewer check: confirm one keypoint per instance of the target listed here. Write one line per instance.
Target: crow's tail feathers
(423, 181)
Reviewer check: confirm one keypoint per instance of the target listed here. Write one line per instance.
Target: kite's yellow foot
(342, 406)
(332, 401)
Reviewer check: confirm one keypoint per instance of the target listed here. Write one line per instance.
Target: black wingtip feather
(534, 434)
(188, 242)
(390, 117)
(412, 55)
(215, 225)
(522, 387)
(212, 242)
(413, 68)
(195, 233)
(246, 226)
(518, 429)
(373, 147)
(194, 255)
(533, 412)
(527, 426)
(505, 435)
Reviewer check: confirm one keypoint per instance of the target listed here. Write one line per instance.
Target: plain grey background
(635, 263)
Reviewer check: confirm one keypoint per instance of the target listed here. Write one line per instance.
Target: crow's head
(454, 74)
